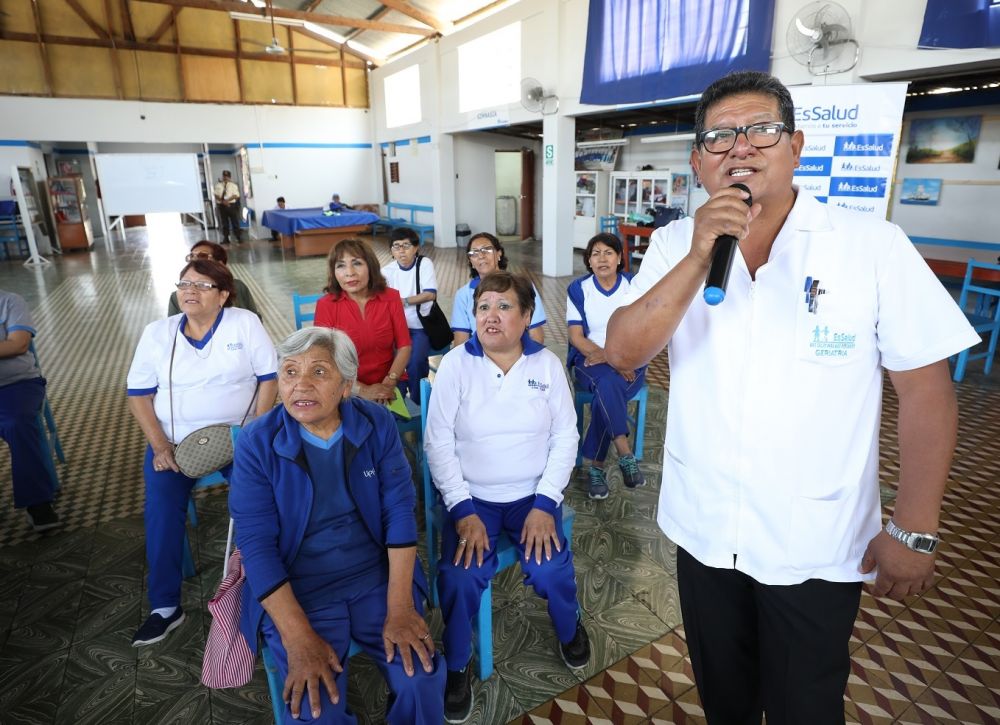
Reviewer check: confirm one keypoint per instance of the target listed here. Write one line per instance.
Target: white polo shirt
(500, 437)
(404, 281)
(599, 304)
(771, 449)
(213, 382)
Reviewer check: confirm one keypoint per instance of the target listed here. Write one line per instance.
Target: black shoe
(156, 628)
(576, 652)
(458, 696)
(43, 517)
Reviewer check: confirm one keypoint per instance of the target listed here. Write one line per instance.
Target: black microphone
(722, 260)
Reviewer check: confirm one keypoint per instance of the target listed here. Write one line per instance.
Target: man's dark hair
(281, 198)
(746, 81)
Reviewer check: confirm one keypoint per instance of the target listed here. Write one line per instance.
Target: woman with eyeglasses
(359, 302)
(486, 256)
(210, 250)
(211, 364)
(401, 274)
(590, 302)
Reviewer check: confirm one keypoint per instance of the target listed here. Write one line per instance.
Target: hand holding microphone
(722, 260)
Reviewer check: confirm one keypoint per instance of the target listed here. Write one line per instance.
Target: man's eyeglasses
(481, 251)
(401, 246)
(199, 255)
(186, 284)
(759, 135)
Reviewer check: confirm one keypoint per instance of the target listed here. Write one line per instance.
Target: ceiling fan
(275, 47)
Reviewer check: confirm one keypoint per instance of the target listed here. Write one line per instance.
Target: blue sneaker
(156, 628)
(598, 484)
(631, 475)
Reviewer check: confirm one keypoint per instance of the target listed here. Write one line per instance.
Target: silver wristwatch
(923, 543)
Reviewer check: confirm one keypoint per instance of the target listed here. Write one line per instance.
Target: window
(402, 97)
(489, 69)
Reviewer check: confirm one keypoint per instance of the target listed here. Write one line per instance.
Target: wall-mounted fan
(820, 38)
(533, 98)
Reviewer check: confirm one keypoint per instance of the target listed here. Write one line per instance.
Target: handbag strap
(418, 273)
(170, 386)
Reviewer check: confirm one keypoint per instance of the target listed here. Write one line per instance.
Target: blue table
(311, 231)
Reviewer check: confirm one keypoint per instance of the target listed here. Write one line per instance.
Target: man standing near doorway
(770, 476)
(227, 201)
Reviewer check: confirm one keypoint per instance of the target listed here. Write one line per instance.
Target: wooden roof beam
(427, 19)
(321, 19)
(85, 17)
(163, 27)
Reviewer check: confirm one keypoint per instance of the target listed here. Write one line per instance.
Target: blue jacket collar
(355, 423)
(474, 347)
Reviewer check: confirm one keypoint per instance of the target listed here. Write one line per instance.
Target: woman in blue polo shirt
(591, 300)
(486, 256)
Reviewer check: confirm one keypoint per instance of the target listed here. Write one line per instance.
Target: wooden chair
(981, 304)
(505, 551)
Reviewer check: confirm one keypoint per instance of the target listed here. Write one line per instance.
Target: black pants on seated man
(229, 220)
(760, 648)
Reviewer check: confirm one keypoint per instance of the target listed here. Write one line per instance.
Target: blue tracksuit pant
(165, 518)
(419, 699)
(30, 457)
(608, 413)
(418, 367)
(462, 589)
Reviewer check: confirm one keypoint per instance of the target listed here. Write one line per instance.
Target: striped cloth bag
(228, 660)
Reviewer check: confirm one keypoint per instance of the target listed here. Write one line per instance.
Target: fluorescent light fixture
(292, 22)
(667, 137)
(606, 142)
(325, 32)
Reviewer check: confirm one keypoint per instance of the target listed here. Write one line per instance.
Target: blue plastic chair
(299, 307)
(981, 305)
(585, 397)
(609, 224)
(505, 551)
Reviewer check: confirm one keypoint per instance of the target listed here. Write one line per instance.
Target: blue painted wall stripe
(23, 144)
(935, 242)
(406, 141)
(310, 145)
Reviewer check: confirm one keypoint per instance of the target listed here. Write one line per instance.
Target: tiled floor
(70, 601)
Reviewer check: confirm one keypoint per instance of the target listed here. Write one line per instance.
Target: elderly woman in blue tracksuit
(501, 443)
(323, 500)
(590, 302)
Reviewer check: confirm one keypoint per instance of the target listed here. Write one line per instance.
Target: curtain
(645, 50)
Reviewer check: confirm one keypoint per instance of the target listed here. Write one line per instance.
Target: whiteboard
(145, 183)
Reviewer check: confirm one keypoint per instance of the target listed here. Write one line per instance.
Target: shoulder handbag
(435, 323)
(228, 661)
(207, 449)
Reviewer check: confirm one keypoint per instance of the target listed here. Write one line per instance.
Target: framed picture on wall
(920, 191)
(949, 140)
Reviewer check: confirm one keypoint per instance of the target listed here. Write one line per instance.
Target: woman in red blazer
(359, 302)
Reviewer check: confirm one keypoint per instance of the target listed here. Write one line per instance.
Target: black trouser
(229, 219)
(759, 648)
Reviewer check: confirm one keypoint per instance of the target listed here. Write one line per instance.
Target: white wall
(303, 153)
(967, 210)
(476, 181)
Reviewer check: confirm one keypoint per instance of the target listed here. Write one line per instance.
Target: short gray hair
(336, 343)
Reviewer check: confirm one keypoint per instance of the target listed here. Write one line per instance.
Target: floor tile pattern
(70, 601)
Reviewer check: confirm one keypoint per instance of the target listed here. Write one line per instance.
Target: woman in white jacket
(501, 443)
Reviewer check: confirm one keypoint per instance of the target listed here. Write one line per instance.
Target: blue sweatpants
(418, 366)
(30, 457)
(462, 589)
(608, 413)
(419, 699)
(165, 518)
